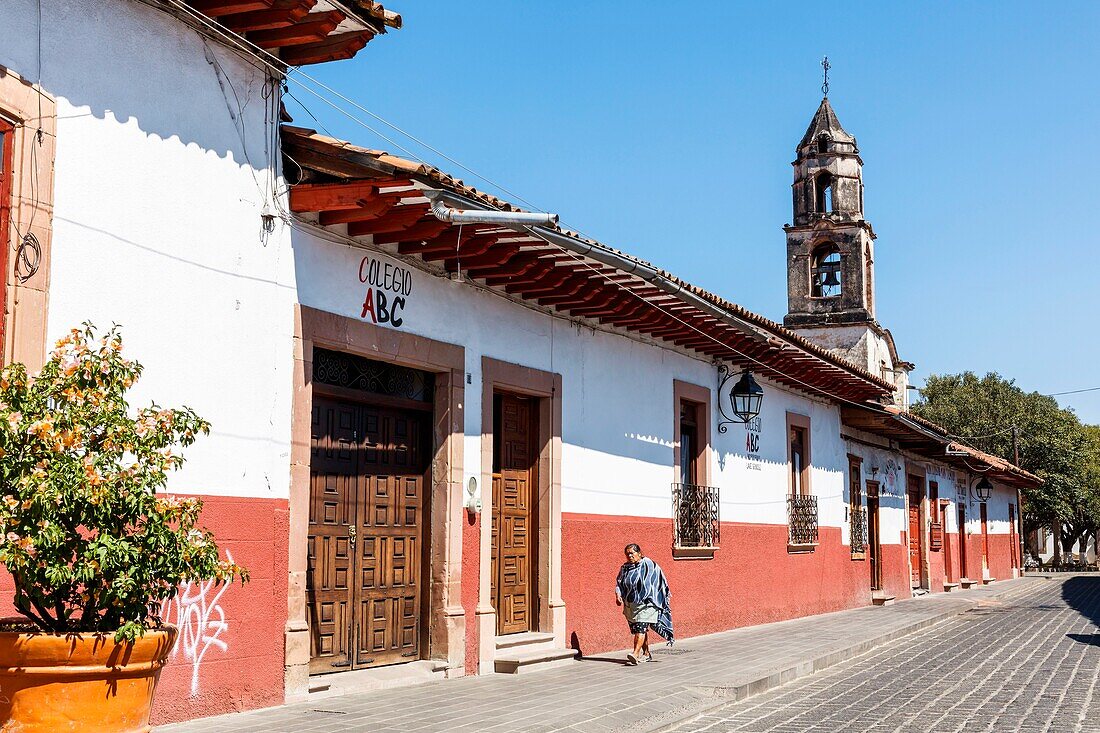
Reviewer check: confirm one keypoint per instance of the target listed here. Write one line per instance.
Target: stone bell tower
(831, 254)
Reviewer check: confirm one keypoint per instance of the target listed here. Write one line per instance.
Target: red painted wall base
(752, 579)
(229, 655)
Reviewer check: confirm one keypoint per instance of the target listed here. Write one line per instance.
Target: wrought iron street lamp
(983, 489)
(745, 398)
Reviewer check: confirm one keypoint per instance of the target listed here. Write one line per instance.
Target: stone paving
(600, 694)
(1029, 663)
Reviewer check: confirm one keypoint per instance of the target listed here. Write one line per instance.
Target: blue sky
(667, 130)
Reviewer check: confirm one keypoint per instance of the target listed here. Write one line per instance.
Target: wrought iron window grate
(858, 526)
(355, 372)
(696, 522)
(802, 519)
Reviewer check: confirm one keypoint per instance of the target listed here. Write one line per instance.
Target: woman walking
(642, 591)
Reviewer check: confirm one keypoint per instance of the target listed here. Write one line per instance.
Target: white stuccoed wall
(157, 224)
(617, 395)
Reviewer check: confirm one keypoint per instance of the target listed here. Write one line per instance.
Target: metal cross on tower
(825, 84)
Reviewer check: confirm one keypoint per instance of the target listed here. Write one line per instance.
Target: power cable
(1074, 391)
(288, 71)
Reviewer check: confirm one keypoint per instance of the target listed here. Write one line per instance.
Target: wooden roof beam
(334, 196)
(218, 8)
(424, 230)
(333, 48)
(369, 209)
(476, 247)
(281, 14)
(313, 28)
(398, 219)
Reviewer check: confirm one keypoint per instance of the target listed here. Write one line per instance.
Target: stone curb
(727, 696)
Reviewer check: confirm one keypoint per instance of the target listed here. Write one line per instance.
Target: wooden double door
(368, 472)
(515, 513)
(916, 536)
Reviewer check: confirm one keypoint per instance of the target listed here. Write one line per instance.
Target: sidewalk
(600, 694)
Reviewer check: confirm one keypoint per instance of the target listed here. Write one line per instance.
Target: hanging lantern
(746, 397)
(983, 489)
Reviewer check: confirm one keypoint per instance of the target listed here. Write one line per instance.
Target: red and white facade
(161, 205)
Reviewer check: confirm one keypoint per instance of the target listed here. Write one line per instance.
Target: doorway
(916, 536)
(985, 539)
(873, 548)
(962, 542)
(366, 545)
(515, 513)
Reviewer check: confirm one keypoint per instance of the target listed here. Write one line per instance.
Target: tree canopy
(1052, 442)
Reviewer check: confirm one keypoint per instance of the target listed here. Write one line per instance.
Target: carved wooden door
(333, 500)
(514, 516)
(985, 536)
(914, 534)
(874, 548)
(389, 537)
(365, 538)
(962, 542)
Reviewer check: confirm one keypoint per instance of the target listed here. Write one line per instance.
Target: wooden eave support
(400, 218)
(543, 269)
(218, 8)
(490, 259)
(421, 231)
(334, 196)
(281, 14)
(548, 284)
(369, 209)
(312, 29)
(472, 247)
(517, 265)
(333, 48)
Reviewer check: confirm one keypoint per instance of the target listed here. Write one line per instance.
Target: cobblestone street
(985, 658)
(1029, 663)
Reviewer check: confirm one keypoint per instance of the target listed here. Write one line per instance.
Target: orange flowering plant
(91, 544)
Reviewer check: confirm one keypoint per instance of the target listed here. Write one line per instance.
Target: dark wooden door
(873, 547)
(514, 514)
(389, 536)
(985, 536)
(367, 471)
(333, 498)
(962, 542)
(914, 534)
(1013, 538)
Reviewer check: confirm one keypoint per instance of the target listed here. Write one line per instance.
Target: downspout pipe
(443, 212)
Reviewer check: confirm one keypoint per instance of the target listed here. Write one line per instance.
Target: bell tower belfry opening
(830, 246)
(831, 253)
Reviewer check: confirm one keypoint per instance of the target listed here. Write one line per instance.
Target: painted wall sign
(388, 286)
(752, 443)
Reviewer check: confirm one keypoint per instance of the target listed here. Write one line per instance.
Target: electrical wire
(288, 71)
(1073, 391)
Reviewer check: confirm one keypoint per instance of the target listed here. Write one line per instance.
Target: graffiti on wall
(198, 614)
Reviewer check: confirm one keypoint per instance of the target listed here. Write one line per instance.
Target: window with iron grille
(802, 519)
(857, 515)
(695, 516)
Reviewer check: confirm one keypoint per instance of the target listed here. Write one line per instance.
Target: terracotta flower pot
(79, 683)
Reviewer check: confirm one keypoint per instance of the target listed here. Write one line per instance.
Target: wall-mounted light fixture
(983, 489)
(745, 398)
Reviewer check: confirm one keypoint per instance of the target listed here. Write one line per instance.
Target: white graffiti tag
(197, 613)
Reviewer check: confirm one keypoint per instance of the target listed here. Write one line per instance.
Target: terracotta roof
(349, 161)
(302, 32)
(996, 463)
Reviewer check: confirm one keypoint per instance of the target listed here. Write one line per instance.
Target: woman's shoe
(631, 659)
(648, 658)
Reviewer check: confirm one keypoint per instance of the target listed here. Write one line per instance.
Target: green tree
(1053, 444)
(91, 540)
